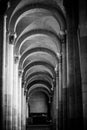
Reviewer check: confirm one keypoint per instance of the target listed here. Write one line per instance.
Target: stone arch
(38, 69)
(46, 64)
(39, 74)
(39, 81)
(45, 21)
(26, 7)
(20, 41)
(40, 87)
(27, 54)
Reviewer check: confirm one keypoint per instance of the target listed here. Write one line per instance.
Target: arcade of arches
(38, 88)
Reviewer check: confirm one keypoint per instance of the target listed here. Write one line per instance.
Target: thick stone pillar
(70, 75)
(73, 74)
(4, 88)
(9, 85)
(77, 81)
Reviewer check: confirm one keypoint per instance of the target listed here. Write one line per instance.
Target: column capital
(50, 99)
(16, 59)
(60, 58)
(23, 83)
(25, 91)
(62, 35)
(12, 37)
(54, 83)
(52, 88)
(27, 96)
(20, 72)
(27, 99)
(56, 69)
(53, 80)
(59, 55)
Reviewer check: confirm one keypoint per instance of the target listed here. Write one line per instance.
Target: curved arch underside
(41, 76)
(25, 6)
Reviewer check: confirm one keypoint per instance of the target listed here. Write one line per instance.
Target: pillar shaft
(15, 96)
(73, 75)
(57, 98)
(19, 101)
(23, 110)
(64, 82)
(4, 91)
(60, 94)
(9, 86)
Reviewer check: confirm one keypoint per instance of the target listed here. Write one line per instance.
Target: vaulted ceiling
(37, 27)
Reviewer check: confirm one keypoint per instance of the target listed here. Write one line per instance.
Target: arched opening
(38, 106)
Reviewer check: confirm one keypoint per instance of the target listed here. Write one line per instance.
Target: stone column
(57, 95)
(23, 108)
(10, 83)
(73, 73)
(49, 108)
(77, 81)
(4, 88)
(22, 94)
(64, 79)
(27, 112)
(60, 112)
(19, 98)
(70, 77)
(15, 94)
(53, 110)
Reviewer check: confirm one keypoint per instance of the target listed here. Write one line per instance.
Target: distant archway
(39, 108)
